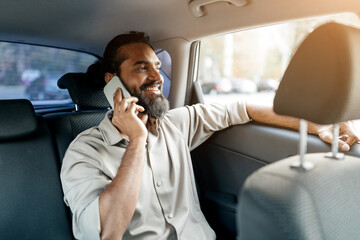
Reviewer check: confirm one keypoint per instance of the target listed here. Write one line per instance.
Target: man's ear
(108, 76)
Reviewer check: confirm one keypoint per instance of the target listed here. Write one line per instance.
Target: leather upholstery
(86, 90)
(66, 126)
(31, 198)
(17, 120)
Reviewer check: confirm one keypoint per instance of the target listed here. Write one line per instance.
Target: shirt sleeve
(198, 122)
(83, 181)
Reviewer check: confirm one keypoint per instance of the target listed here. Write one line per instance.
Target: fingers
(350, 132)
(327, 136)
(143, 117)
(135, 108)
(124, 105)
(343, 145)
(117, 97)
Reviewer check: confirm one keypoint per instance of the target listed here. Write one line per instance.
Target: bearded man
(131, 177)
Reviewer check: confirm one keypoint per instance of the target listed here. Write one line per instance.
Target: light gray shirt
(168, 205)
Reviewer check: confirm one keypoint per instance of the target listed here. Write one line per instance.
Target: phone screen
(111, 87)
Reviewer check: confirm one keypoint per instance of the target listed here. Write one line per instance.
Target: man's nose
(155, 75)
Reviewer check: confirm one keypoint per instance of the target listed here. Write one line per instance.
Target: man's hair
(111, 59)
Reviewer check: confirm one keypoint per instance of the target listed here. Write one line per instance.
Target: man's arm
(118, 201)
(265, 114)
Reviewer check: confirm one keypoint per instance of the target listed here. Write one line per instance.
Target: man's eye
(142, 68)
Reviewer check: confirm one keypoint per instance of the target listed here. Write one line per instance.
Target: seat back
(278, 202)
(86, 91)
(31, 198)
(317, 198)
(66, 126)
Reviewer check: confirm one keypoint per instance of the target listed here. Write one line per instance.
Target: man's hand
(349, 133)
(117, 202)
(128, 117)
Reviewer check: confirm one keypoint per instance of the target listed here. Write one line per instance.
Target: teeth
(152, 88)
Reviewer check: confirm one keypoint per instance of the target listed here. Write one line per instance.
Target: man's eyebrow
(146, 62)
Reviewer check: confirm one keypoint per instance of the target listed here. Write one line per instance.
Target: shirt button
(170, 216)
(159, 183)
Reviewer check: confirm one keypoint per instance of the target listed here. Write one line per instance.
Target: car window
(250, 64)
(165, 70)
(31, 72)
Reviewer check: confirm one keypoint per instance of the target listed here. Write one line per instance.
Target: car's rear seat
(31, 198)
(31, 152)
(91, 105)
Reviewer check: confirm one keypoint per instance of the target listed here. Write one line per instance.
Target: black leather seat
(31, 198)
(85, 89)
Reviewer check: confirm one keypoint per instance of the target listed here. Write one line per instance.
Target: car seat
(86, 91)
(31, 197)
(311, 196)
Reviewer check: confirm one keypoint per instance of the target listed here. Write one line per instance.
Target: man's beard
(155, 105)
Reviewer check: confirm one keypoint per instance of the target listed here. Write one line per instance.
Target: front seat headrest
(322, 81)
(18, 119)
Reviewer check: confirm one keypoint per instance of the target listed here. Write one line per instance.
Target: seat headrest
(17, 119)
(322, 80)
(85, 89)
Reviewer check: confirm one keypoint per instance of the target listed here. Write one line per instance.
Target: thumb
(143, 117)
(328, 137)
(343, 145)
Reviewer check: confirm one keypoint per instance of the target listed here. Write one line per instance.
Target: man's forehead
(138, 51)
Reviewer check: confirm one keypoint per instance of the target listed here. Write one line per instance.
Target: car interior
(36, 129)
(309, 196)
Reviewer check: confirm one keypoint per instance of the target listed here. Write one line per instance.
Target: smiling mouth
(154, 89)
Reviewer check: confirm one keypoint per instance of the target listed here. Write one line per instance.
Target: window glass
(250, 64)
(31, 72)
(165, 69)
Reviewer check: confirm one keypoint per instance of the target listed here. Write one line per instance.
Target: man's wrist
(315, 128)
(139, 140)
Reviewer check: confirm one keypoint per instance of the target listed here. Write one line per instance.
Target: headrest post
(302, 165)
(76, 108)
(334, 154)
(335, 142)
(303, 140)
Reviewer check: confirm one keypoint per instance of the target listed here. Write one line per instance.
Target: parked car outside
(268, 85)
(218, 86)
(45, 87)
(242, 85)
(51, 89)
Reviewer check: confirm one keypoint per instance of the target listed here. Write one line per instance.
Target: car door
(223, 162)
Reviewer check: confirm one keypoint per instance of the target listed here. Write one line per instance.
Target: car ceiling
(87, 25)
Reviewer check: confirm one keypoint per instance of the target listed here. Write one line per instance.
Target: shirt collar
(112, 136)
(109, 132)
(154, 125)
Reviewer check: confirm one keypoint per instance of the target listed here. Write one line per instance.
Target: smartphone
(110, 89)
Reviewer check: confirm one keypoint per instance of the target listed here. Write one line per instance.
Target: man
(131, 177)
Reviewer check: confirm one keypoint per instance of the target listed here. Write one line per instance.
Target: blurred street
(263, 97)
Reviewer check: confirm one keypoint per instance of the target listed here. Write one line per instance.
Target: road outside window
(250, 64)
(31, 72)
